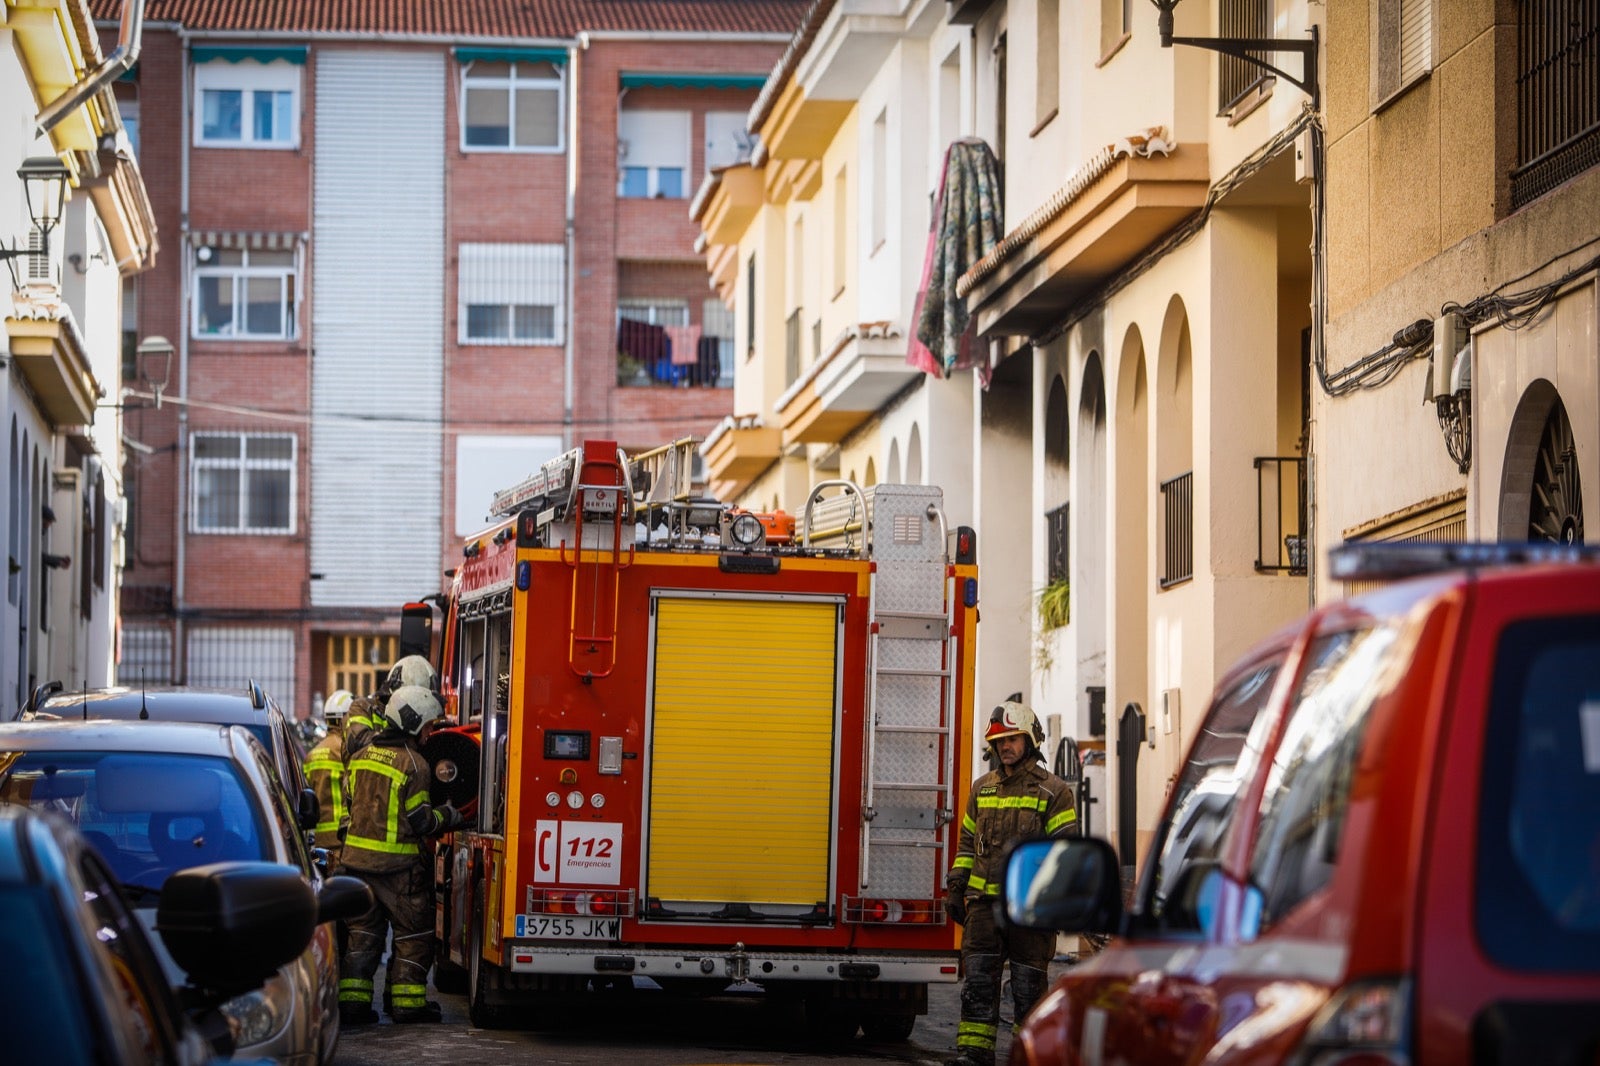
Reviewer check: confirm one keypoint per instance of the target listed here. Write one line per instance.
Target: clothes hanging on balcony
(647, 344)
(967, 226)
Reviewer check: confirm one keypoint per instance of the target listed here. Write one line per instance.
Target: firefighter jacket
(365, 721)
(389, 811)
(325, 770)
(1029, 801)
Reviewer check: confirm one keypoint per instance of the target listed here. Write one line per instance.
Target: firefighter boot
(428, 1012)
(356, 1013)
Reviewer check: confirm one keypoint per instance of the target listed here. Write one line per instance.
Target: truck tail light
(604, 903)
(1366, 1023)
(866, 911)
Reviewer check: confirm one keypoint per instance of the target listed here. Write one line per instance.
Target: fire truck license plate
(563, 927)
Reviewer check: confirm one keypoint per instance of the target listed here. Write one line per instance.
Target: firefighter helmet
(412, 670)
(1015, 719)
(336, 708)
(412, 707)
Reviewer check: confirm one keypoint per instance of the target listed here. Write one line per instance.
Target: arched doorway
(1541, 487)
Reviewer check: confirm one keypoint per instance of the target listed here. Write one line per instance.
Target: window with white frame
(242, 482)
(247, 104)
(653, 149)
(657, 312)
(511, 106)
(728, 139)
(511, 294)
(244, 292)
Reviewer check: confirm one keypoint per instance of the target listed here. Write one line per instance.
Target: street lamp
(155, 363)
(44, 183)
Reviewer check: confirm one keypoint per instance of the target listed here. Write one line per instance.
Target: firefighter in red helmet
(1016, 800)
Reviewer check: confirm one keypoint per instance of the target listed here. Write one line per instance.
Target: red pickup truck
(1383, 846)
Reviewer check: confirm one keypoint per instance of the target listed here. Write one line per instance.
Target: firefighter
(390, 817)
(1016, 800)
(367, 713)
(326, 771)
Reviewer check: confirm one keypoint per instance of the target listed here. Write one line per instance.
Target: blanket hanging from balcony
(967, 224)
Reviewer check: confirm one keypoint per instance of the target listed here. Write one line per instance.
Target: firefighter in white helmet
(1016, 800)
(390, 817)
(367, 713)
(325, 771)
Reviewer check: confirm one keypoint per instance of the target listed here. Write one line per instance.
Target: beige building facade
(1463, 235)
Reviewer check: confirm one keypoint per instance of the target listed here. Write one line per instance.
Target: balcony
(862, 371)
(49, 352)
(738, 451)
(1110, 211)
(1280, 515)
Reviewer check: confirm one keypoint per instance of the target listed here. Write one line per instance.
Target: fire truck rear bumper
(737, 964)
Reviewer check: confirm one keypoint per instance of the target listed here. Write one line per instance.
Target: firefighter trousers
(403, 900)
(985, 949)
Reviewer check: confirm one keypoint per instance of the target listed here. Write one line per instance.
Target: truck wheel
(830, 1021)
(448, 977)
(888, 1028)
(484, 979)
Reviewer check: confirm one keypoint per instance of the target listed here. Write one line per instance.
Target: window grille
(1056, 526)
(242, 483)
(1237, 78)
(1177, 530)
(1558, 94)
(791, 349)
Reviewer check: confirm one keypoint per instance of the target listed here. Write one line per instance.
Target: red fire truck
(706, 747)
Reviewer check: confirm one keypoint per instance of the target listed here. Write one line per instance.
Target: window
(1047, 62)
(244, 292)
(1308, 783)
(128, 108)
(512, 294)
(653, 150)
(1189, 841)
(841, 230)
(1404, 44)
(750, 306)
(880, 179)
(357, 663)
(511, 107)
(243, 483)
(247, 104)
(1537, 886)
(1116, 20)
(1236, 77)
(1558, 84)
(717, 319)
(727, 140)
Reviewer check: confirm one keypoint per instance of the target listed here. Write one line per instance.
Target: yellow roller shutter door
(741, 785)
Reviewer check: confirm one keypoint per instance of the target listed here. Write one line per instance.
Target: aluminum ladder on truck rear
(911, 707)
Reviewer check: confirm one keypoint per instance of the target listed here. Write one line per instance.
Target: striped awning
(254, 239)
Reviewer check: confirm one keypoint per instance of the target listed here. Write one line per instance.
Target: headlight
(258, 1016)
(747, 530)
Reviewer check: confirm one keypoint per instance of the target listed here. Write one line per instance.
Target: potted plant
(1053, 607)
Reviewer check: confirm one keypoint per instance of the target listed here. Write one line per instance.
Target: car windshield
(148, 814)
(45, 991)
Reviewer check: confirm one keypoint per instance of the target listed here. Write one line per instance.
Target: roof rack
(1369, 561)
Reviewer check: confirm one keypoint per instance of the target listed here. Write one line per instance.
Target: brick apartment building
(414, 255)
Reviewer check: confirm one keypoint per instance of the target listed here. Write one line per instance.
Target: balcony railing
(1558, 94)
(1280, 515)
(1177, 530)
(1056, 526)
(672, 356)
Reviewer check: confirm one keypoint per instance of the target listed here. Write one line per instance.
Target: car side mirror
(343, 899)
(1068, 884)
(310, 810)
(231, 925)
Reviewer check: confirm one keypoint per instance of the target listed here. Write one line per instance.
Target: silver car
(155, 797)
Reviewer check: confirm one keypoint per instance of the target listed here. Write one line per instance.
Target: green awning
(512, 55)
(642, 80)
(230, 53)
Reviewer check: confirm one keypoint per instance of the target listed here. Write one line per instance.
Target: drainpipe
(127, 52)
(570, 348)
(180, 653)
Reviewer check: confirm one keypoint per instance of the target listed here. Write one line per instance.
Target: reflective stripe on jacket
(365, 721)
(326, 773)
(1003, 808)
(389, 811)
